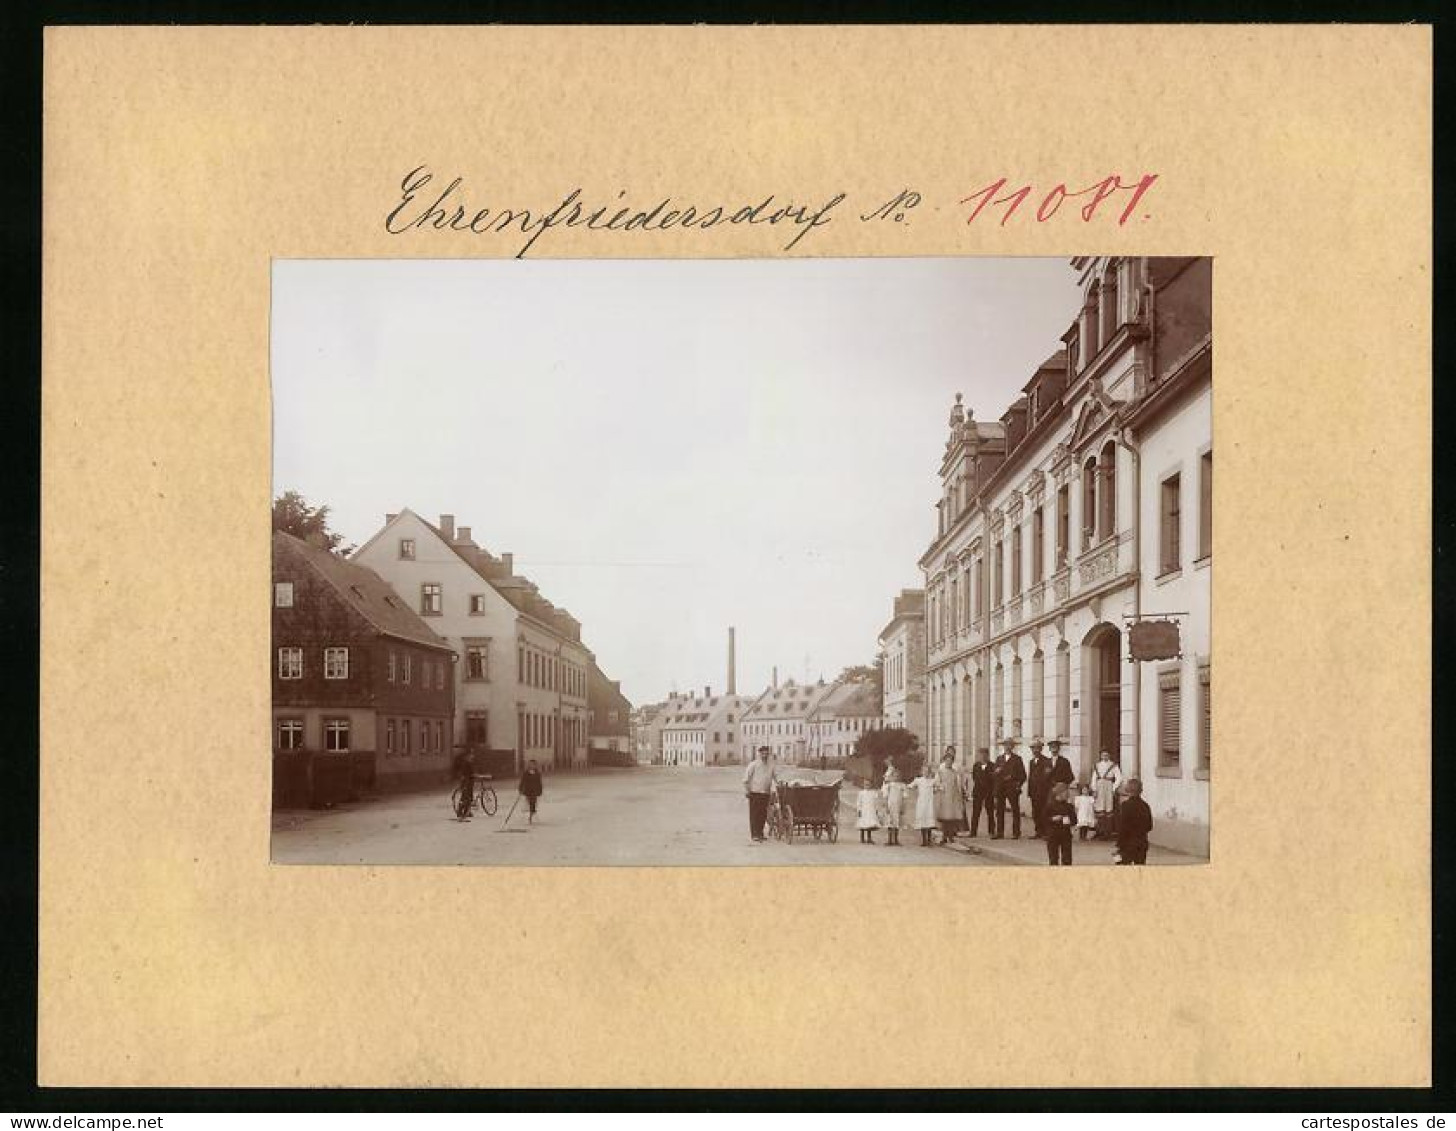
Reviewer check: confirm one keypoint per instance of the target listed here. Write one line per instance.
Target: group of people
(530, 786)
(947, 801)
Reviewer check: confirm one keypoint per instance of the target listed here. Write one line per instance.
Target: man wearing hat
(983, 791)
(1039, 787)
(1010, 777)
(1062, 772)
(758, 780)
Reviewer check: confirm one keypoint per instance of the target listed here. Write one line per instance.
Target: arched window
(1107, 305)
(1090, 343)
(1107, 491)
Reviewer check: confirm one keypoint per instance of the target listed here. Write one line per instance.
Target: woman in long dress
(1106, 781)
(925, 803)
(893, 792)
(950, 810)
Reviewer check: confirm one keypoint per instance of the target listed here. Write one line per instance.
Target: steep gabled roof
(848, 700)
(361, 589)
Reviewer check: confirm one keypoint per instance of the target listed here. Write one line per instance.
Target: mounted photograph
(863, 561)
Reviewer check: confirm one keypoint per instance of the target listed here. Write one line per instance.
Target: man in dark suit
(1134, 822)
(1010, 777)
(1039, 787)
(1062, 772)
(983, 791)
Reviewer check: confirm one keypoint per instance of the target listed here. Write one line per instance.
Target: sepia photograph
(862, 561)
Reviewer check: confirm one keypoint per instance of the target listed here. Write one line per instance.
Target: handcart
(805, 803)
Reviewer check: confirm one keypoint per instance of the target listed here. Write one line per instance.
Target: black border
(20, 276)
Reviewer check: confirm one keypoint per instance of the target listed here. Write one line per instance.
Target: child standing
(1086, 812)
(893, 792)
(925, 804)
(868, 804)
(1058, 818)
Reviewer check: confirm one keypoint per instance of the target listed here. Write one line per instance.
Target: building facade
(357, 676)
(838, 720)
(1085, 510)
(902, 646)
(779, 719)
(702, 731)
(610, 715)
(522, 681)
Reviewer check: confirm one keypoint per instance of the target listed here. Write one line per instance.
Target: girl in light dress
(924, 787)
(1086, 812)
(893, 792)
(868, 804)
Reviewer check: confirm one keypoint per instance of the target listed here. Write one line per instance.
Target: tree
(866, 673)
(878, 748)
(292, 514)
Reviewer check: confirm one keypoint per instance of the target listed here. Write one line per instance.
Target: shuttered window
(1205, 687)
(1170, 722)
(1205, 505)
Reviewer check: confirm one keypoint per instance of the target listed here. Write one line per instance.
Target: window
(1107, 491)
(407, 549)
(1064, 524)
(1205, 505)
(336, 736)
(1016, 560)
(404, 736)
(431, 599)
(980, 597)
(476, 662)
(1170, 722)
(290, 734)
(477, 604)
(391, 666)
(283, 594)
(424, 737)
(389, 736)
(439, 737)
(440, 676)
(998, 589)
(408, 664)
(1089, 503)
(1169, 551)
(290, 663)
(1064, 691)
(1038, 545)
(1038, 693)
(1205, 689)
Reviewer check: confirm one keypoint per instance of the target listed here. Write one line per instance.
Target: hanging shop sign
(1153, 640)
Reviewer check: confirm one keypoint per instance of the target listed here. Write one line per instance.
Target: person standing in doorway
(982, 781)
(1134, 823)
(1039, 787)
(758, 781)
(1010, 777)
(1106, 781)
(530, 788)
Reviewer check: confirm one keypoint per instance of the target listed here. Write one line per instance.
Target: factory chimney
(732, 674)
(776, 677)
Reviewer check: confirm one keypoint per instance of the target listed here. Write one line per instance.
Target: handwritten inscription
(422, 205)
(1051, 201)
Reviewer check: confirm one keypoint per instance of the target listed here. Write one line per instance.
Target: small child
(1086, 812)
(893, 792)
(1059, 817)
(868, 803)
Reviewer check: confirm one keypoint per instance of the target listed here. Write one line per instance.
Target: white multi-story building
(522, 670)
(838, 720)
(702, 731)
(1086, 510)
(902, 651)
(779, 719)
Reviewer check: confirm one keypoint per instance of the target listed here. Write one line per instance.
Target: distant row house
(701, 731)
(902, 657)
(1081, 515)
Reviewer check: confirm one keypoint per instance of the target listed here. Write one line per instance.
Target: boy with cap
(1134, 822)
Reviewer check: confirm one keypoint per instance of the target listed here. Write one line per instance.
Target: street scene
(875, 562)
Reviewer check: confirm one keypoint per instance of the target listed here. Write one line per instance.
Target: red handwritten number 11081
(1059, 195)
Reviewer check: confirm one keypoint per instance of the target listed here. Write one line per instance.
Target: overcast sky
(668, 447)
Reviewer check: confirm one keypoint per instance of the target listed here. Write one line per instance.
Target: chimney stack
(707, 692)
(465, 535)
(732, 672)
(447, 527)
(388, 518)
(510, 561)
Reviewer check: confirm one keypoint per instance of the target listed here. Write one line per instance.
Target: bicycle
(484, 799)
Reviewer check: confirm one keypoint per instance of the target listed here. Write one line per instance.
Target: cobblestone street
(648, 815)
